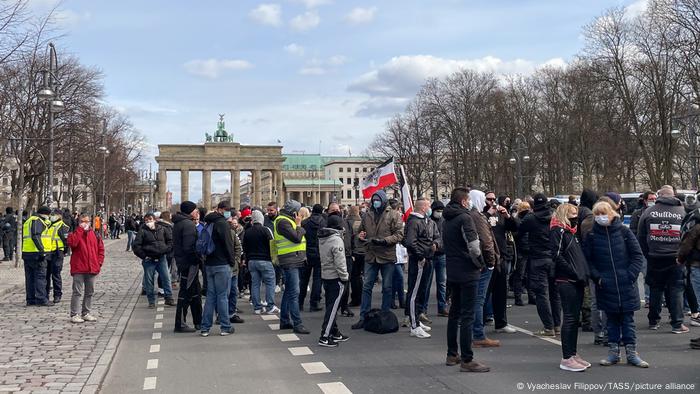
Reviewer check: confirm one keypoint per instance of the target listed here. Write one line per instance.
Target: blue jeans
(264, 271)
(218, 284)
(233, 295)
(397, 284)
(478, 330)
(129, 239)
(371, 273)
(149, 269)
(621, 328)
(438, 271)
(695, 281)
(289, 310)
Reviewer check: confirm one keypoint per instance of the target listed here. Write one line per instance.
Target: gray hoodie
(332, 250)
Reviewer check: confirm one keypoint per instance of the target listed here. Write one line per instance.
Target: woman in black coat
(615, 260)
(570, 276)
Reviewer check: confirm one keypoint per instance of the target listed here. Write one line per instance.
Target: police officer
(36, 243)
(54, 260)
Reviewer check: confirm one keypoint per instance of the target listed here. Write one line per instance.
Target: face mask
(44, 216)
(573, 221)
(54, 218)
(227, 214)
(437, 214)
(363, 210)
(429, 213)
(602, 220)
(376, 204)
(470, 205)
(85, 226)
(651, 204)
(151, 225)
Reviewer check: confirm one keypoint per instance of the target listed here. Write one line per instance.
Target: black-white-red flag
(382, 176)
(406, 198)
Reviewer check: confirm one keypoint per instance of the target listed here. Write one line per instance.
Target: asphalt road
(256, 360)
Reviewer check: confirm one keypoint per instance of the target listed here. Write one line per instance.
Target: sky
(318, 75)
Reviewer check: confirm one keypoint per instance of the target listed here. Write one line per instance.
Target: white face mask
(85, 226)
(602, 220)
(54, 218)
(437, 214)
(151, 225)
(650, 204)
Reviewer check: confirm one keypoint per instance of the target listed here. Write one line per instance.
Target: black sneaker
(347, 313)
(300, 329)
(315, 308)
(184, 328)
(57, 300)
(327, 342)
(236, 319)
(286, 326)
(359, 325)
(339, 337)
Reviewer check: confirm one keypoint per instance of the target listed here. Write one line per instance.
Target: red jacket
(87, 252)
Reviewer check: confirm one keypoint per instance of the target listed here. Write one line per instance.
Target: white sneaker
(272, 310)
(424, 327)
(263, 303)
(77, 319)
(419, 333)
(89, 317)
(506, 330)
(278, 289)
(258, 311)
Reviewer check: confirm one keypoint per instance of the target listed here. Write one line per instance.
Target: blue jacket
(615, 260)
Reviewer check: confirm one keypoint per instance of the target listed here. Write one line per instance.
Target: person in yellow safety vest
(291, 253)
(36, 244)
(54, 260)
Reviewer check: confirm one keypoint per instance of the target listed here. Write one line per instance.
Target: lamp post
(518, 160)
(691, 117)
(49, 93)
(105, 152)
(433, 179)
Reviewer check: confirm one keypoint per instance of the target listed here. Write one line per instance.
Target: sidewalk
(10, 277)
(40, 350)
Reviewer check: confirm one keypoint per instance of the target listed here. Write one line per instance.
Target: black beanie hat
(187, 207)
(335, 222)
(540, 200)
(318, 208)
(437, 205)
(44, 211)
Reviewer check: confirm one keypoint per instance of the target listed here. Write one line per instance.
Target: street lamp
(434, 176)
(518, 161)
(105, 152)
(692, 114)
(49, 93)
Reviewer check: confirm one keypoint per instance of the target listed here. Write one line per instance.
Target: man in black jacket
(438, 265)
(131, 228)
(8, 233)
(256, 246)
(152, 244)
(535, 228)
(312, 225)
(184, 240)
(464, 263)
(421, 239)
(218, 269)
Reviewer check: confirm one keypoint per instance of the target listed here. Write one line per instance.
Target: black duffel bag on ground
(381, 322)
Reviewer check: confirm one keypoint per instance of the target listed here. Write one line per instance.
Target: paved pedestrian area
(10, 277)
(41, 351)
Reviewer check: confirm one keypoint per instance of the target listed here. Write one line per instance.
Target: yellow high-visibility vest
(28, 245)
(57, 242)
(285, 246)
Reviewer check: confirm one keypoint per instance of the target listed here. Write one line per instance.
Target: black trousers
(313, 265)
(356, 279)
(54, 266)
(571, 301)
(541, 282)
(498, 289)
(346, 290)
(189, 297)
(417, 285)
(517, 276)
(334, 289)
(8, 245)
(690, 295)
(461, 318)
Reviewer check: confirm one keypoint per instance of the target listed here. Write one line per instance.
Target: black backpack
(381, 322)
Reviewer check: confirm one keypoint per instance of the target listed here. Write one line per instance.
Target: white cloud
(337, 60)
(305, 21)
(70, 18)
(312, 70)
(295, 49)
(267, 14)
(395, 82)
(213, 68)
(361, 15)
(637, 8)
(318, 66)
(314, 3)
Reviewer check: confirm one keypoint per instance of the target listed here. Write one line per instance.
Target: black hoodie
(461, 245)
(312, 225)
(534, 230)
(223, 241)
(184, 240)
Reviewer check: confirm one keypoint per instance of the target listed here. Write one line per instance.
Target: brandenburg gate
(220, 153)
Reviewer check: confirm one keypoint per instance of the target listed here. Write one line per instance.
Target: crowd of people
(576, 261)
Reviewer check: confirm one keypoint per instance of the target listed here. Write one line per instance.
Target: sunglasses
(490, 199)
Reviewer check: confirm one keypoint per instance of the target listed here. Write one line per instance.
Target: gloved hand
(379, 242)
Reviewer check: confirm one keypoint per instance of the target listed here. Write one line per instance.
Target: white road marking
(159, 316)
(269, 317)
(155, 349)
(156, 335)
(334, 388)
(158, 324)
(150, 383)
(314, 368)
(530, 333)
(287, 337)
(300, 351)
(274, 327)
(152, 364)
(160, 309)
(161, 302)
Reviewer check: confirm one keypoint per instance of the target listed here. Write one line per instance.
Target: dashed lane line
(160, 309)
(274, 327)
(287, 337)
(152, 364)
(149, 383)
(334, 388)
(154, 349)
(300, 351)
(156, 335)
(159, 316)
(158, 325)
(315, 368)
(269, 317)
